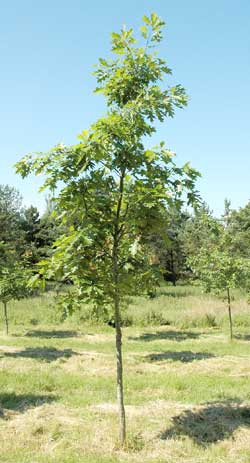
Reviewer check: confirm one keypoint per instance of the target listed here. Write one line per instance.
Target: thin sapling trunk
(119, 363)
(120, 399)
(230, 313)
(6, 317)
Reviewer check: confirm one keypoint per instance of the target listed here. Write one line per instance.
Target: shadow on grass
(52, 334)
(209, 424)
(169, 334)
(49, 354)
(21, 402)
(242, 337)
(185, 356)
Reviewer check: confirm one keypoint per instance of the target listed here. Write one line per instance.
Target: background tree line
(26, 235)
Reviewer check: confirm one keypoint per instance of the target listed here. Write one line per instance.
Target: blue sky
(47, 54)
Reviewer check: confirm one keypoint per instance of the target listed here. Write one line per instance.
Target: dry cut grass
(186, 387)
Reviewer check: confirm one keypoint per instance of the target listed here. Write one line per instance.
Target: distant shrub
(210, 320)
(152, 294)
(127, 320)
(156, 318)
(207, 321)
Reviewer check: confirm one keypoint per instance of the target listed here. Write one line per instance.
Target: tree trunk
(6, 317)
(230, 313)
(119, 370)
(118, 342)
(119, 365)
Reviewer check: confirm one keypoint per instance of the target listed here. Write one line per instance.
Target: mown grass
(186, 385)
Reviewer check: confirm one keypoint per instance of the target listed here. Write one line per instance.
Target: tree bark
(6, 317)
(230, 313)
(119, 362)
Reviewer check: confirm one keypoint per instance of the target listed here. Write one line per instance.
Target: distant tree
(219, 270)
(25, 234)
(30, 225)
(200, 230)
(50, 205)
(10, 213)
(174, 256)
(12, 273)
(167, 244)
(113, 190)
(39, 232)
(226, 217)
(49, 230)
(13, 286)
(238, 227)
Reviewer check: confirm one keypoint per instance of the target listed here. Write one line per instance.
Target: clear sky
(48, 49)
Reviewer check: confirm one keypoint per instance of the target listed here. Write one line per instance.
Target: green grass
(186, 386)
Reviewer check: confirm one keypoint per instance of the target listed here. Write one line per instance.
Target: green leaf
(144, 31)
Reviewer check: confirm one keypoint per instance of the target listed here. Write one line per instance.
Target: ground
(187, 390)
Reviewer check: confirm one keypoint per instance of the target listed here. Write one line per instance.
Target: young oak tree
(113, 190)
(218, 268)
(13, 286)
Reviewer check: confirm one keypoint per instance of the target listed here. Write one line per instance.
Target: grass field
(187, 388)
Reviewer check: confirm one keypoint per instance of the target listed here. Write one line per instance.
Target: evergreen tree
(10, 215)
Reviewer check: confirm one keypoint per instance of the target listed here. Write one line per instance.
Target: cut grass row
(186, 390)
